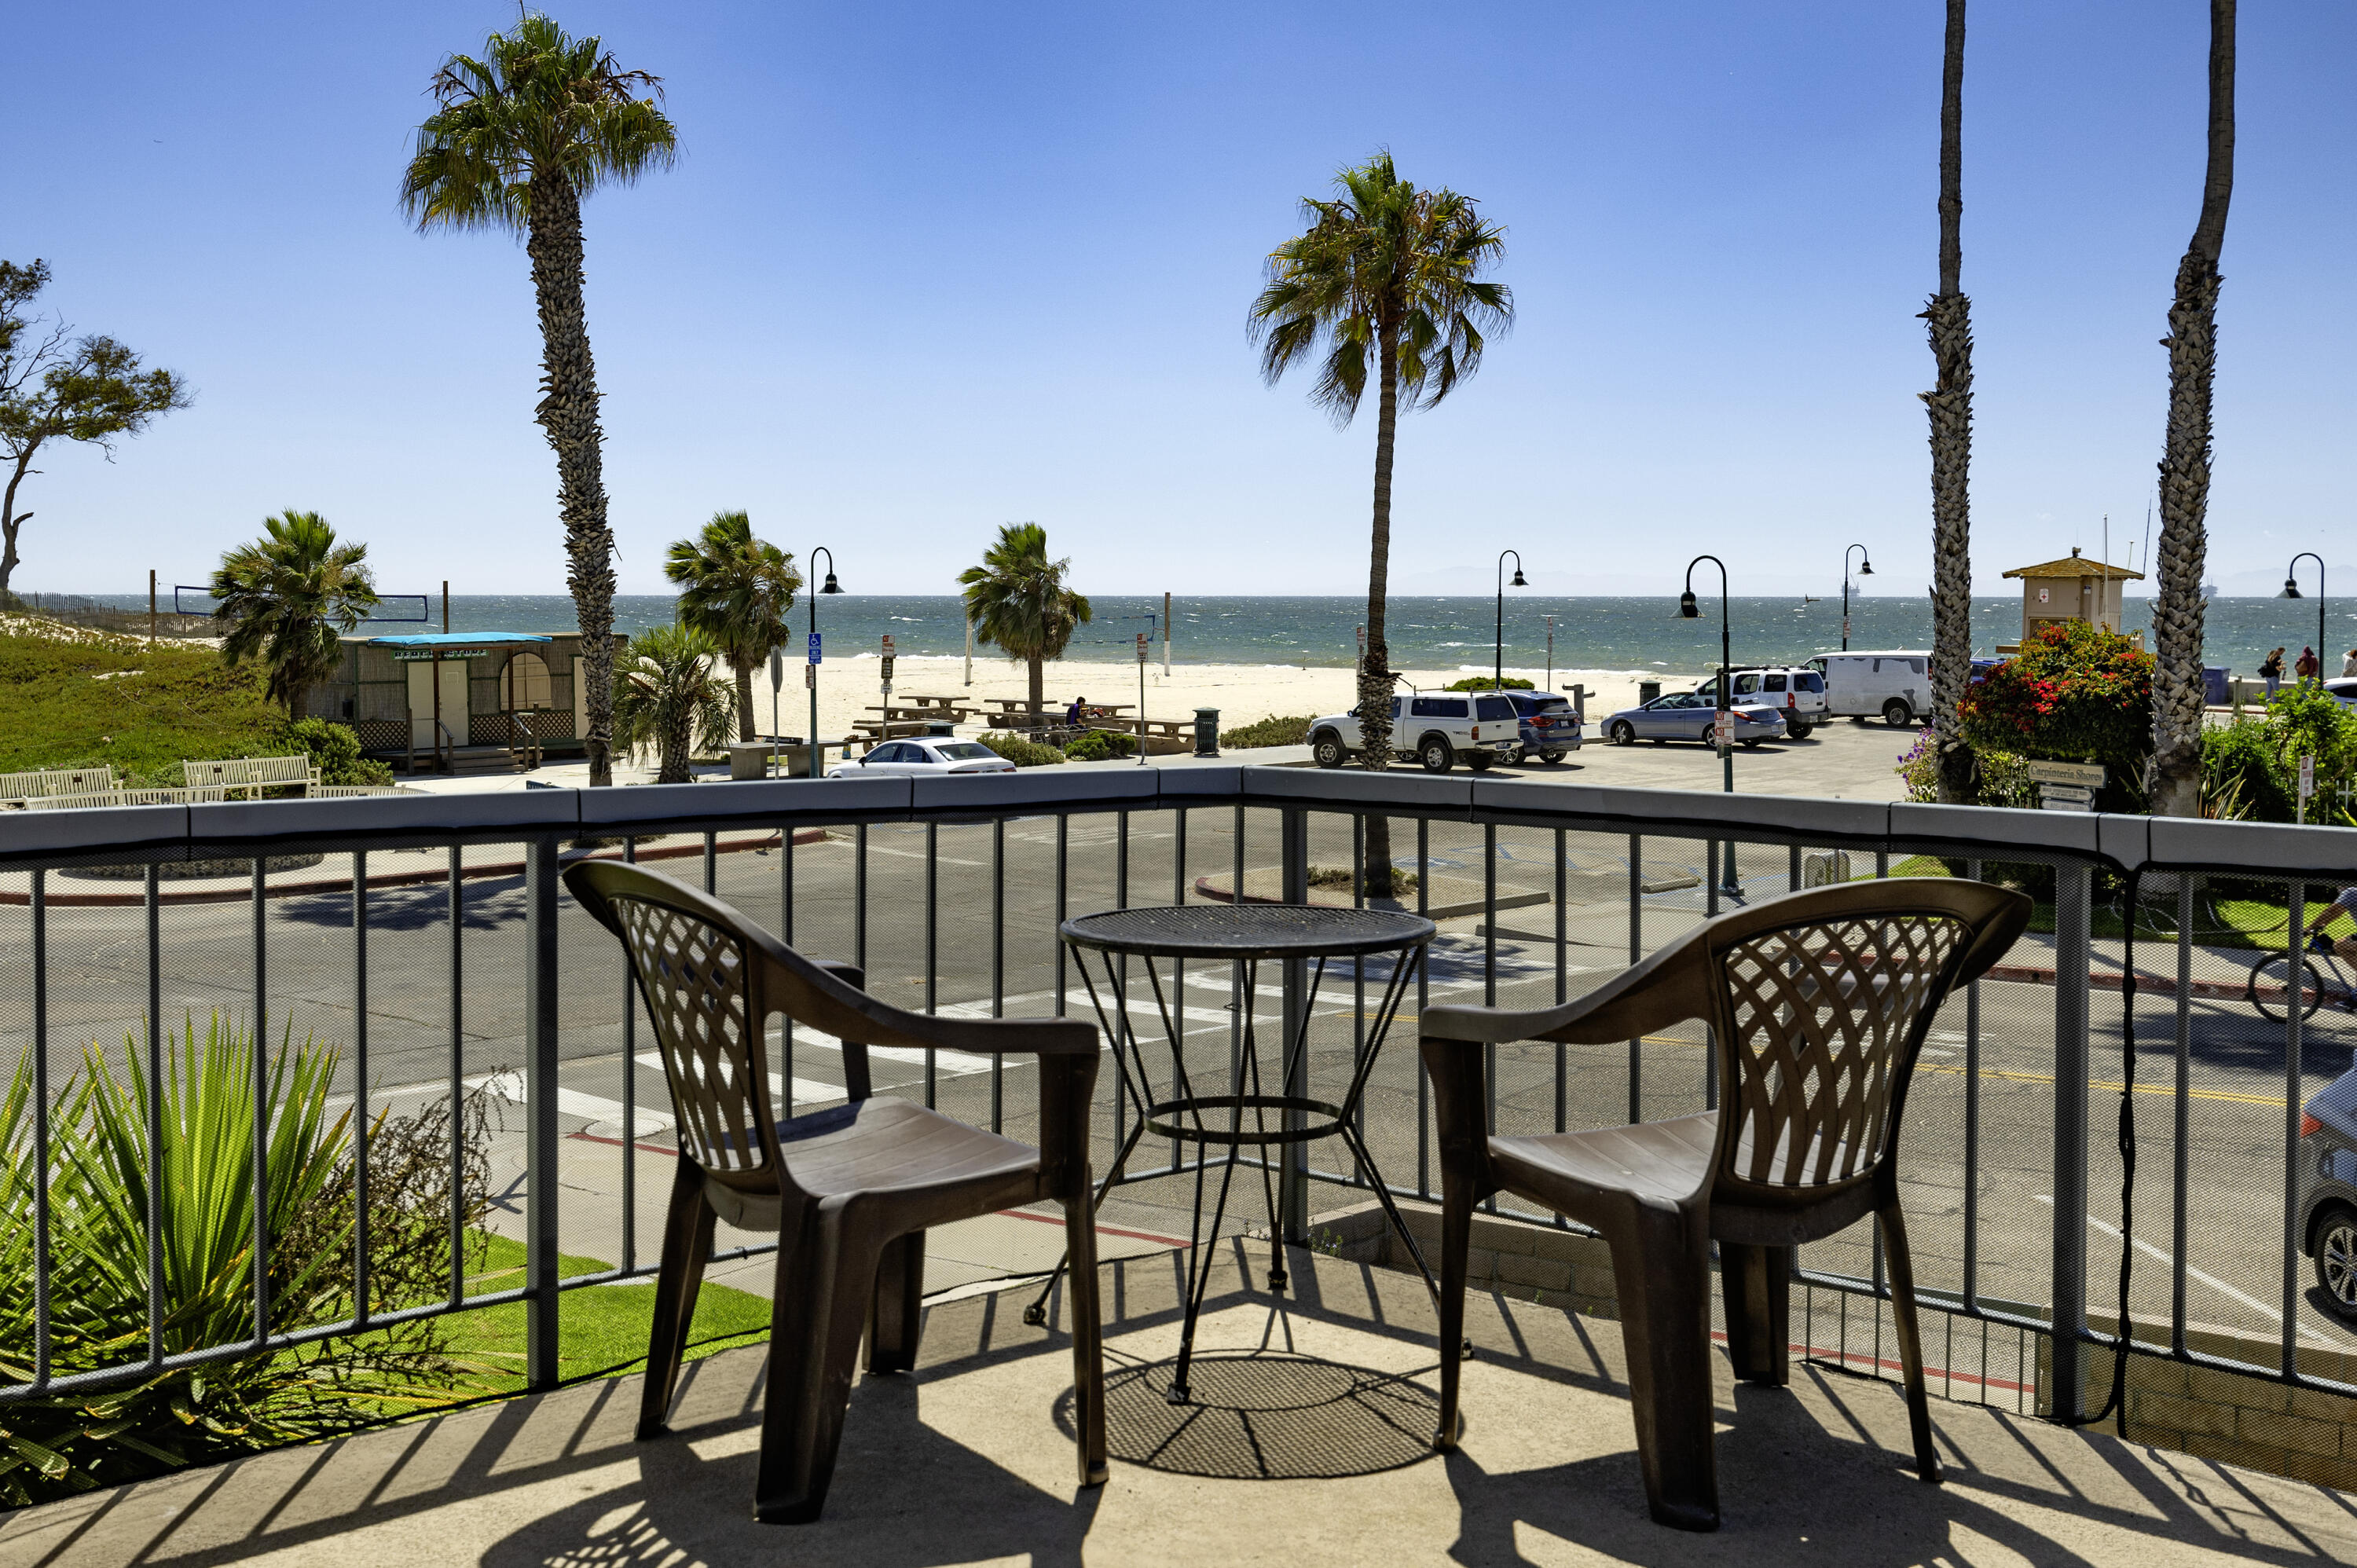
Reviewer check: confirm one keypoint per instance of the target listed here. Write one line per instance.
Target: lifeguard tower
(2073, 588)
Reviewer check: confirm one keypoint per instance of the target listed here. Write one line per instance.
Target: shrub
(2001, 778)
(1485, 683)
(1097, 745)
(1270, 731)
(334, 750)
(2250, 767)
(2075, 693)
(98, 1284)
(1021, 752)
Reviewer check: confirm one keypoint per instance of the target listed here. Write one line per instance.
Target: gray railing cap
(764, 800)
(1344, 788)
(227, 821)
(982, 792)
(27, 833)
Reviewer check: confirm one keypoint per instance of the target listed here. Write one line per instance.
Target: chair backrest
(1821, 1001)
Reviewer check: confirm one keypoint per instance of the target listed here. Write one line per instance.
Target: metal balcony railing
(430, 938)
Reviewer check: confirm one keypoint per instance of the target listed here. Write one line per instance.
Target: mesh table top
(1248, 931)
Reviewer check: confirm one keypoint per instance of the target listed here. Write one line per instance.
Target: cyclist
(2346, 947)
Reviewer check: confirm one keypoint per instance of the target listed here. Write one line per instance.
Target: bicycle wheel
(2270, 987)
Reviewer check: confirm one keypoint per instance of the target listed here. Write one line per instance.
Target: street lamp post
(811, 674)
(1723, 719)
(1498, 675)
(1865, 569)
(2291, 591)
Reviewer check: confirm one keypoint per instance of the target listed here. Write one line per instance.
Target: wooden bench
(23, 789)
(250, 775)
(90, 800)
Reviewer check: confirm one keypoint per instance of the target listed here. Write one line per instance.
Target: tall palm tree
(521, 136)
(667, 698)
(2192, 344)
(1950, 404)
(1386, 276)
(285, 597)
(736, 590)
(1019, 604)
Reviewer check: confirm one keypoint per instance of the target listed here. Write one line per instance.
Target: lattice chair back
(1822, 1012)
(697, 978)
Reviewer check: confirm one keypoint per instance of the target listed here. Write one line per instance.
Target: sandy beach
(1242, 692)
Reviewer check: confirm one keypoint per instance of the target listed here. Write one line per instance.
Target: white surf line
(2212, 1281)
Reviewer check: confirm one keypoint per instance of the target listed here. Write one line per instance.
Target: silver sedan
(1691, 716)
(923, 759)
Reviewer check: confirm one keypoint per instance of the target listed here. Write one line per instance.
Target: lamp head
(1518, 582)
(832, 585)
(1865, 567)
(1687, 608)
(2291, 589)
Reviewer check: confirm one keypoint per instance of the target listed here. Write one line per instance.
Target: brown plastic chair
(851, 1189)
(1818, 1003)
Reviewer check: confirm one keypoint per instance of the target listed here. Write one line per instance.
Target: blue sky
(924, 269)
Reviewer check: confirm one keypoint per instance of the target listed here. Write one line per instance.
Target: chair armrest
(1668, 988)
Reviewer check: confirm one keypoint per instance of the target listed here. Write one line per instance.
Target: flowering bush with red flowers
(2075, 693)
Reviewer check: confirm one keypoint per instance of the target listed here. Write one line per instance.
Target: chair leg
(1457, 1199)
(897, 1315)
(1661, 1267)
(815, 1326)
(1758, 1285)
(1088, 1335)
(1910, 1336)
(687, 1219)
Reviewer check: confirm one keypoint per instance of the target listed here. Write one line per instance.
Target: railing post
(2072, 957)
(1293, 1182)
(539, 1114)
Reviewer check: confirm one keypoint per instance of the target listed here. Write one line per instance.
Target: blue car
(1691, 716)
(1549, 725)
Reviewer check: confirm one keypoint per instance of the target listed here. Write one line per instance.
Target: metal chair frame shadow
(850, 1189)
(1817, 1004)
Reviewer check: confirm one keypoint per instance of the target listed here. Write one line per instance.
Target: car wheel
(1435, 755)
(1479, 761)
(1552, 757)
(1897, 714)
(1624, 734)
(1710, 736)
(1326, 749)
(2336, 1262)
(1799, 732)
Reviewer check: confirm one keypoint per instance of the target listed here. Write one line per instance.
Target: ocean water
(1640, 635)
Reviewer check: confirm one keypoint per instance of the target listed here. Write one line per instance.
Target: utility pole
(446, 610)
(1165, 637)
(151, 604)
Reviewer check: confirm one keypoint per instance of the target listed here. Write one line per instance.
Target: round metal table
(1304, 939)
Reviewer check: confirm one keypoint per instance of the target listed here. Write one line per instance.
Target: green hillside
(69, 700)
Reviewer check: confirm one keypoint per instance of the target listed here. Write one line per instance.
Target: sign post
(776, 681)
(2306, 786)
(2067, 786)
(810, 679)
(1141, 698)
(888, 672)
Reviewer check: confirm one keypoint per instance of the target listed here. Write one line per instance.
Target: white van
(1893, 683)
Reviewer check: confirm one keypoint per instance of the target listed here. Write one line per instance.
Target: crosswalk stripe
(514, 1086)
(807, 1090)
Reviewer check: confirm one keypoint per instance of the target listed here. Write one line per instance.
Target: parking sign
(813, 648)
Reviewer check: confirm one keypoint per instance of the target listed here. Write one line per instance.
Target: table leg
(1037, 1313)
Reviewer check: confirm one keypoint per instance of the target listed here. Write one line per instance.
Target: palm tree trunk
(744, 700)
(2193, 342)
(1950, 314)
(1039, 689)
(1375, 668)
(568, 412)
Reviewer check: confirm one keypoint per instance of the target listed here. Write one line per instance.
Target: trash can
(1207, 732)
(2217, 687)
(1647, 690)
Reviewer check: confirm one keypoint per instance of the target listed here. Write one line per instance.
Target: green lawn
(143, 708)
(2254, 925)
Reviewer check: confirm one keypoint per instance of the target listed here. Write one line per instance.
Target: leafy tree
(1386, 280)
(2183, 550)
(736, 590)
(286, 597)
(1950, 404)
(57, 387)
(2075, 693)
(521, 135)
(1019, 604)
(2250, 768)
(667, 699)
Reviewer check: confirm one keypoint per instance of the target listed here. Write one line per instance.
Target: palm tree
(1019, 605)
(1386, 274)
(286, 597)
(2193, 342)
(519, 137)
(667, 697)
(1951, 406)
(736, 590)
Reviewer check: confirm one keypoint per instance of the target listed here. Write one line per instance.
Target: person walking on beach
(2271, 672)
(2310, 667)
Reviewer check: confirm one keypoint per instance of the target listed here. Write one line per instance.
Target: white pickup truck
(1436, 728)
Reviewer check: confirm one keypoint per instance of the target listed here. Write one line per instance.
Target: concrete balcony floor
(967, 1461)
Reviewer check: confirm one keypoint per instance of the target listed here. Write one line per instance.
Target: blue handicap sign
(813, 654)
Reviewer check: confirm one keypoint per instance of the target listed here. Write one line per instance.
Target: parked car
(1691, 716)
(926, 758)
(1550, 726)
(1798, 691)
(2328, 1179)
(1893, 684)
(1436, 728)
(2345, 692)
